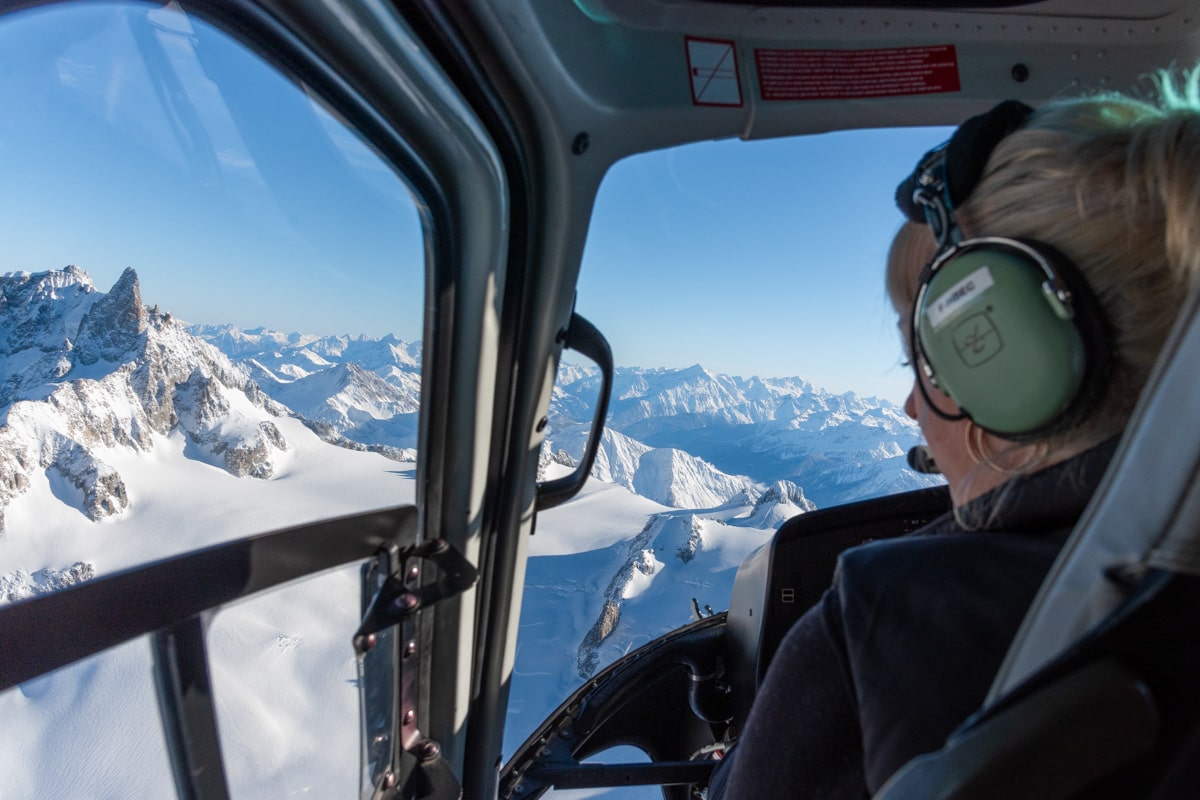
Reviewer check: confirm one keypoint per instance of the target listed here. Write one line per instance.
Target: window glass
(741, 287)
(285, 684)
(55, 724)
(212, 295)
(212, 298)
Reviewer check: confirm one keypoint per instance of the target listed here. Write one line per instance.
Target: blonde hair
(912, 247)
(1113, 183)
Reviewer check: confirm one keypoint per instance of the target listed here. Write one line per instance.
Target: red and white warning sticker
(849, 74)
(713, 69)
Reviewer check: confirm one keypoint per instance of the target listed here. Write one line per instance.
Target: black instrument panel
(785, 577)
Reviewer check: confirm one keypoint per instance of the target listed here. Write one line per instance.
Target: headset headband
(947, 174)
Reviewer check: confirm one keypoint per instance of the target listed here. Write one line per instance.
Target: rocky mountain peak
(31, 304)
(61, 411)
(112, 326)
(785, 492)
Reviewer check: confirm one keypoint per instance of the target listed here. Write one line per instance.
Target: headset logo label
(977, 339)
(958, 296)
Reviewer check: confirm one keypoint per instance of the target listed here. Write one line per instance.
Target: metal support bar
(185, 701)
(587, 776)
(102, 613)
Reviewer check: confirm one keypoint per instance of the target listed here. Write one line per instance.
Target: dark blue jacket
(905, 644)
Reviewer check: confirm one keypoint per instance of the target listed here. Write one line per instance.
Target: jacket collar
(1047, 500)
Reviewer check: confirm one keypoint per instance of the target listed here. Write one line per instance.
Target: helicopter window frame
(421, 127)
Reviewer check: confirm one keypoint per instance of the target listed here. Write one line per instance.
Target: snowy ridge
(779, 503)
(676, 556)
(19, 584)
(350, 388)
(665, 475)
(674, 478)
(639, 561)
(351, 402)
(840, 448)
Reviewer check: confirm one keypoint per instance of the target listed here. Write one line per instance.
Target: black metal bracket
(397, 599)
(428, 776)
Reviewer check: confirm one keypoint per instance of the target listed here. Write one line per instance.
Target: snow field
(282, 664)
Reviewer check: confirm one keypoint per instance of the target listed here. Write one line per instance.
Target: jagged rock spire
(112, 326)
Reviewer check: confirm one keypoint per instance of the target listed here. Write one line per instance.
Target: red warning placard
(848, 74)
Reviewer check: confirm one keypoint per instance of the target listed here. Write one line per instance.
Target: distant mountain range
(736, 432)
(81, 370)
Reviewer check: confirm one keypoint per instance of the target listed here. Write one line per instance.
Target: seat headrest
(1145, 514)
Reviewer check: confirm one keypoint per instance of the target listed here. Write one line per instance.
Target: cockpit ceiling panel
(629, 10)
(982, 5)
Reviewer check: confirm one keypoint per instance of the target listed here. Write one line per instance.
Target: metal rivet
(389, 780)
(406, 602)
(409, 717)
(581, 144)
(410, 649)
(414, 573)
(430, 749)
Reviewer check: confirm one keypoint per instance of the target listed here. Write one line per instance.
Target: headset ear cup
(1020, 360)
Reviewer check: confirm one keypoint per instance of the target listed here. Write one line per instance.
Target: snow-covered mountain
(839, 448)
(96, 386)
(84, 372)
(125, 439)
(356, 388)
(687, 438)
(699, 553)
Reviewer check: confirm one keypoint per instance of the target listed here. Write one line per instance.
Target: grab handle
(584, 338)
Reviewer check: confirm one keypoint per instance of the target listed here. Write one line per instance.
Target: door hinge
(397, 599)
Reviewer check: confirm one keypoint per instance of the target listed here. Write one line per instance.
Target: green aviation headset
(1006, 328)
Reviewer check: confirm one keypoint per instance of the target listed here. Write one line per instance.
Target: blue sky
(243, 203)
(761, 257)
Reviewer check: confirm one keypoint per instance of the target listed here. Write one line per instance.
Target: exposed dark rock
(140, 374)
(687, 551)
(101, 489)
(601, 629)
(20, 584)
(112, 326)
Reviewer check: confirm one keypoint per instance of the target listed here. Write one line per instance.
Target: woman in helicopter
(1043, 260)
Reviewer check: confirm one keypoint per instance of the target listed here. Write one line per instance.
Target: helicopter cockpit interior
(503, 118)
